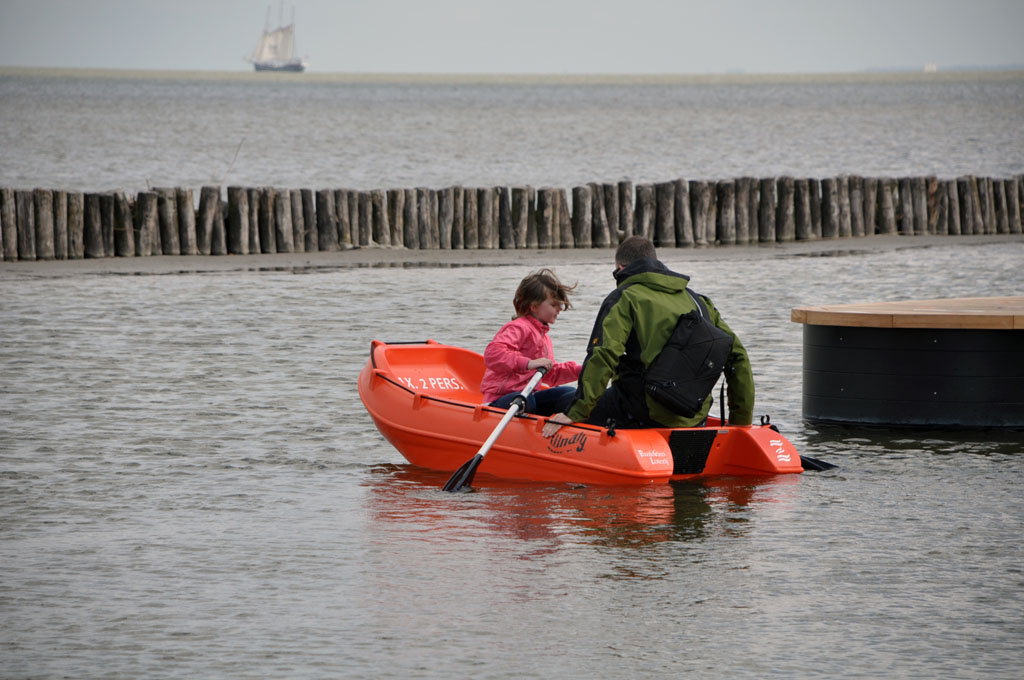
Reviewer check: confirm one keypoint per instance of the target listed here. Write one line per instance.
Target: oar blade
(463, 477)
(815, 464)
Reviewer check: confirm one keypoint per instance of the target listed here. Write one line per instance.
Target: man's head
(634, 248)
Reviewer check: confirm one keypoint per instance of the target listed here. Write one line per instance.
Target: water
(190, 487)
(127, 131)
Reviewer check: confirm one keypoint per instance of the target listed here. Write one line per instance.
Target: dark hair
(634, 248)
(534, 289)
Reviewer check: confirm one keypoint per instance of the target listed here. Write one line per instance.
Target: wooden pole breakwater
(48, 224)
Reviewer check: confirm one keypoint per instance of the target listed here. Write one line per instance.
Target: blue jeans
(542, 402)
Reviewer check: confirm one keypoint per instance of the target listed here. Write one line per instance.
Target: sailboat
(276, 49)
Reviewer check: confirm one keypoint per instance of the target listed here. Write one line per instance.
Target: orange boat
(424, 398)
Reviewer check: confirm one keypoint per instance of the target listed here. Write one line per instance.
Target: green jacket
(633, 324)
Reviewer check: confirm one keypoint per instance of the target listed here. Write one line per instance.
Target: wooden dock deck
(1005, 313)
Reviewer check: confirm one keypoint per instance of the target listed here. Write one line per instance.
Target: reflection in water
(625, 516)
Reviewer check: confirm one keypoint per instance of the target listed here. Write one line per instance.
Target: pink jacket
(514, 345)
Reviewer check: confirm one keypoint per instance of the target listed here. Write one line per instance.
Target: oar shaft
(512, 412)
(464, 475)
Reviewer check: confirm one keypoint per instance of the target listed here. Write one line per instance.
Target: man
(633, 324)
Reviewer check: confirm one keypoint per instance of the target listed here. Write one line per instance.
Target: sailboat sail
(276, 51)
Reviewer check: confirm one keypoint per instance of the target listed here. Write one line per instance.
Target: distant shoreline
(401, 257)
(1008, 74)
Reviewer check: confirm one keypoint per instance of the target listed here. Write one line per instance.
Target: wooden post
(665, 215)
(145, 223)
(803, 228)
(920, 197)
(435, 224)
(829, 207)
(471, 231)
(353, 215)
(187, 221)
(990, 206)
(506, 236)
(741, 209)
(953, 213)
(905, 206)
(346, 232)
(939, 220)
(458, 218)
(564, 221)
(346, 226)
(255, 196)
(365, 221)
(934, 205)
(25, 212)
(870, 197)
(814, 190)
(683, 220)
(785, 208)
(999, 199)
(124, 226)
(845, 226)
(167, 215)
(545, 216)
(268, 230)
(979, 203)
(284, 234)
(93, 228)
(966, 200)
(107, 223)
(1011, 191)
(885, 210)
(610, 195)
(326, 221)
(725, 212)
(627, 214)
(210, 225)
(379, 218)
(76, 225)
(42, 200)
(238, 220)
(298, 222)
(311, 230)
(429, 235)
(60, 225)
(1019, 182)
(443, 205)
(766, 211)
(645, 211)
(856, 205)
(521, 210)
(698, 212)
(485, 225)
(396, 216)
(9, 223)
(582, 216)
(410, 221)
(600, 230)
(754, 211)
(557, 237)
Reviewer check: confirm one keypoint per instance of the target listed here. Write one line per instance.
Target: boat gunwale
(604, 469)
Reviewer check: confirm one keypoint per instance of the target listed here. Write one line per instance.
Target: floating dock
(949, 363)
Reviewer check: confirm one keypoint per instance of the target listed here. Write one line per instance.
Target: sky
(521, 36)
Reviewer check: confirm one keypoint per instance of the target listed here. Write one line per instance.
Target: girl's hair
(534, 289)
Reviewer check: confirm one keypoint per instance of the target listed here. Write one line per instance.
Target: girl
(522, 346)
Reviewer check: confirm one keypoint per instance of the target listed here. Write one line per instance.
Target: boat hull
(423, 398)
(287, 67)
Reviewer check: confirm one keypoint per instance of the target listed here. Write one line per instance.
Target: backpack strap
(701, 308)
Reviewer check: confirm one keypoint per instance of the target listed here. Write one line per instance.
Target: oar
(464, 475)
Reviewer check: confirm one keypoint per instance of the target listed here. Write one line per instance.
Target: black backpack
(685, 371)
